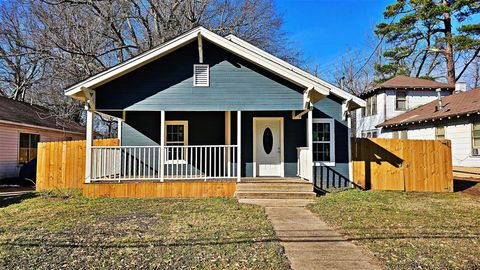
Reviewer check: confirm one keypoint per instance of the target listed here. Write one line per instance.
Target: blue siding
(332, 108)
(166, 84)
(207, 128)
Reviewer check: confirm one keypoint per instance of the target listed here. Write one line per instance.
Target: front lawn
(56, 233)
(409, 230)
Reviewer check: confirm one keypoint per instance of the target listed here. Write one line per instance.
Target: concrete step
(272, 180)
(292, 187)
(274, 195)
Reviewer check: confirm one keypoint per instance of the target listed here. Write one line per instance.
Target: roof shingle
(24, 113)
(454, 105)
(405, 82)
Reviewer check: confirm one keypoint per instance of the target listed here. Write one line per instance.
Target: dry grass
(409, 230)
(58, 233)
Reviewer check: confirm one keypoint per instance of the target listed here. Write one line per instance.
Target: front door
(268, 146)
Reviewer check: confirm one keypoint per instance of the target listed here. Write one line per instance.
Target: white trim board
(256, 56)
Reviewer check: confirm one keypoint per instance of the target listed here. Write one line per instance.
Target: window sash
(172, 139)
(440, 133)
(401, 100)
(28, 144)
(476, 135)
(323, 146)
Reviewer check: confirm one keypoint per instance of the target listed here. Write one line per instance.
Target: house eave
(231, 44)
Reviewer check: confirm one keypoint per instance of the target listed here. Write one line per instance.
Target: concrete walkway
(308, 241)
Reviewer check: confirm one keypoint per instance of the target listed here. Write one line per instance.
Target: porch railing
(117, 163)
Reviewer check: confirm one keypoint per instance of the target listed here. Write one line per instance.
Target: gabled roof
(405, 82)
(22, 113)
(456, 105)
(232, 44)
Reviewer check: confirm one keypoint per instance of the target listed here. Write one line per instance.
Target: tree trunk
(447, 21)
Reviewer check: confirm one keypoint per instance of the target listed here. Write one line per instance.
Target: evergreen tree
(422, 42)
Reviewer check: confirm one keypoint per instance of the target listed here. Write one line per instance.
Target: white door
(268, 149)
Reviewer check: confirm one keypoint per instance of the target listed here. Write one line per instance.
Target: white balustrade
(192, 162)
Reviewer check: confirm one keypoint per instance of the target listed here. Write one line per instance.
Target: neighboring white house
(392, 98)
(455, 117)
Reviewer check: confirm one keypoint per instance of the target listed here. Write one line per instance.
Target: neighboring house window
(374, 104)
(176, 134)
(370, 134)
(400, 134)
(371, 108)
(401, 100)
(28, 147)
(440, 133)
(476, 139)
(324, 141)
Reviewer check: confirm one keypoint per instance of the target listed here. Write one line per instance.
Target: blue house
(203, 107)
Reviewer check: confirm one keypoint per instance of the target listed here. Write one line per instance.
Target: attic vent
(201, 75)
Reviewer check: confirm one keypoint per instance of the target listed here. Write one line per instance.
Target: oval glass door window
(267, 140)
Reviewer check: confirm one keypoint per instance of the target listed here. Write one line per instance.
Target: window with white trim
(476, 139)
(323, 141)
(201, 75)
(370, 134)
(176, 134)
(401, 100)
(400, 134)
(440, 133)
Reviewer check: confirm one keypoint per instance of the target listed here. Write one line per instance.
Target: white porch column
(239, 146)
(310, 145)
(88, 148)
(228, 141)
(119, 130)
(162, 145)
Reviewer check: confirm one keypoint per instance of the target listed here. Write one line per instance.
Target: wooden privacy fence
(405, 165)
(62, 164)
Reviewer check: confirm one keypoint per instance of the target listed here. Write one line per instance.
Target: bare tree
(46, 45)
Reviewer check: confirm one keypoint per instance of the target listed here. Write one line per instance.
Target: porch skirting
(151, 189)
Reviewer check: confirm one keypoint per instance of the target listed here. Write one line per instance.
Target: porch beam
(239, 146)
(162, 145)
(88, 148)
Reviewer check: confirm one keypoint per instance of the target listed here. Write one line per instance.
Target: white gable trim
(135, 62)
(256, 56)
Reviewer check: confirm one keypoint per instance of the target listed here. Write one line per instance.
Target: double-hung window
(371, 108)
(28, 147)
(176, 136)
(401, 100)
(440, 133)
(323, 141)
(476, 139)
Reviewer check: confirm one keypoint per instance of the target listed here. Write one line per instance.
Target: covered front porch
(204, 146)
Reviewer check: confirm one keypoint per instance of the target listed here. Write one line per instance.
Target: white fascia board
(133, 63)
(320, 83)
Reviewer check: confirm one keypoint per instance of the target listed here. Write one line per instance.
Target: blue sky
(325, 29)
